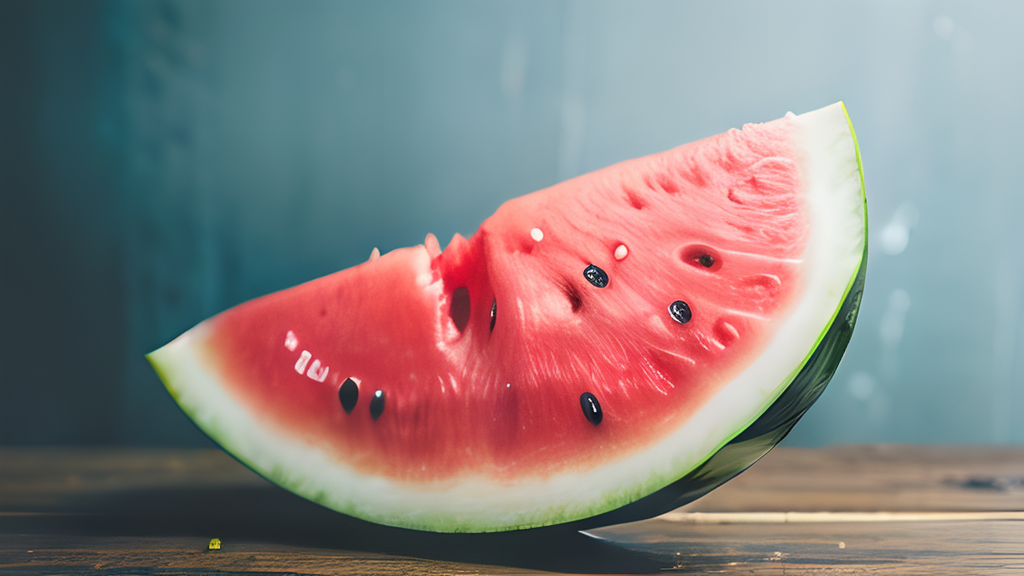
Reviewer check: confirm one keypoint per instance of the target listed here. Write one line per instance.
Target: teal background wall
(162, 161)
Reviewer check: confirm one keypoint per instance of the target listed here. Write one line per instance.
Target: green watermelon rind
(180, 363)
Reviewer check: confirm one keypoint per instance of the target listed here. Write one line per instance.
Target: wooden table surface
(839, 510)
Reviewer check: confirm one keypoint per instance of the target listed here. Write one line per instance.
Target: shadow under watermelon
(274, 517)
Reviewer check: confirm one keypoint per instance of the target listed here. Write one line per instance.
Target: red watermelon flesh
(476, 367)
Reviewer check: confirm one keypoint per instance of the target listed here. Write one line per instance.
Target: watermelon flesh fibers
(599, 351)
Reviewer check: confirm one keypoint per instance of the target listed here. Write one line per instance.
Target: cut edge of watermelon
(476, 504)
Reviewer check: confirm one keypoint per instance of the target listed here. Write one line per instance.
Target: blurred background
(162, 161)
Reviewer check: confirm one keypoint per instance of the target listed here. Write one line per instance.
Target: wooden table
(840, 510)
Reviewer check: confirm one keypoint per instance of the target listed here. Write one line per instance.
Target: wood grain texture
(878, 477)
(117, 511)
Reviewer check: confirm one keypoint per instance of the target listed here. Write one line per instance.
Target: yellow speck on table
(214, 544)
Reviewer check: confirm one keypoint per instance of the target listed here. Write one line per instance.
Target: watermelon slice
(600, 351)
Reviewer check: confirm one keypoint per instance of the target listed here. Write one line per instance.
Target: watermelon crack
(573, 294)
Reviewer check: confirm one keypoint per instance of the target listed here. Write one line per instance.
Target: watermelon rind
(726, 435)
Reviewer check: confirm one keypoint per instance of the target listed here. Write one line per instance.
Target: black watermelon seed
(349, 395)
(377, 404)
(494, 313)
(706, 260)
(595, 276)
(680, 311)
(591, 408)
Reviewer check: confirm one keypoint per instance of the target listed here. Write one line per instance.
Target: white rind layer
(834, 254)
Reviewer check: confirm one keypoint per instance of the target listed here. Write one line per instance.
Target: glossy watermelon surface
(591, 347)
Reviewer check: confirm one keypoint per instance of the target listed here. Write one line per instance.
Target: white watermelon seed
(621, 252)
(537, 234)
(508, 385)
(303, 361)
